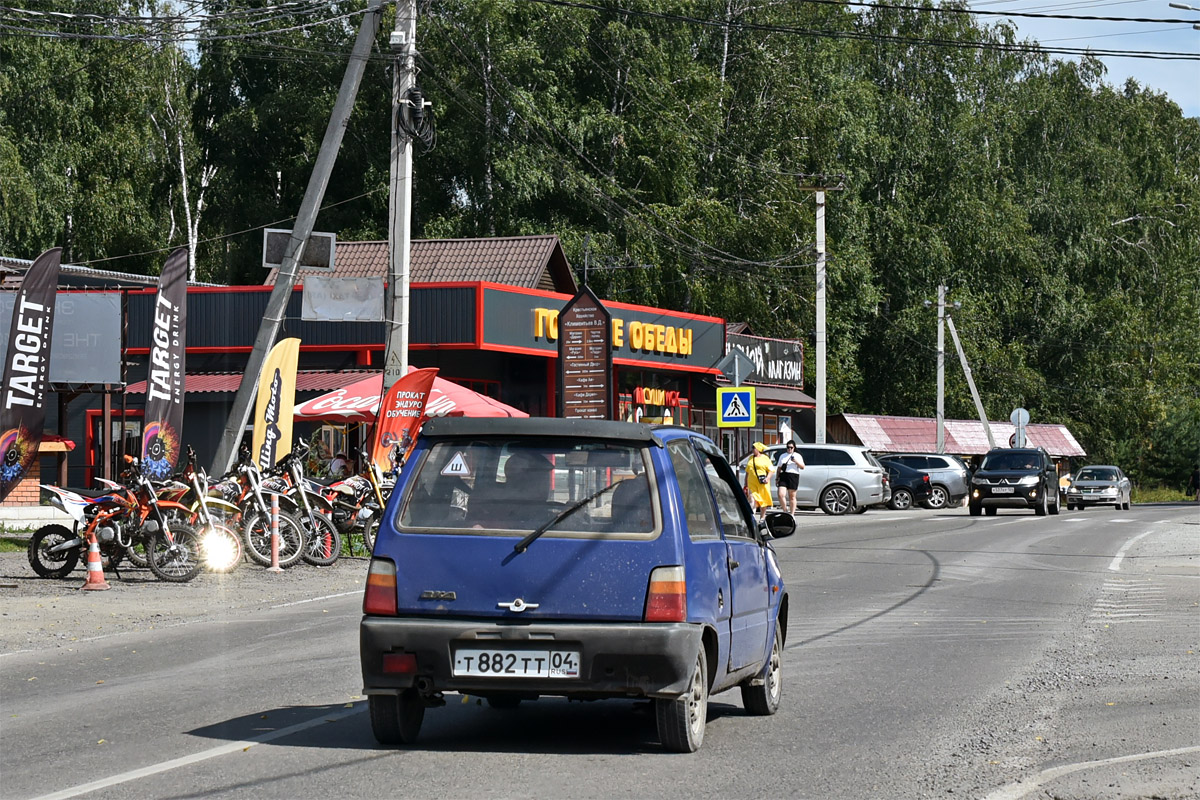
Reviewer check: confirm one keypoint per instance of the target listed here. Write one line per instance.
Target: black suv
(1015, 478)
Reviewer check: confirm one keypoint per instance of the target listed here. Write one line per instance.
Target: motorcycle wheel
(176, 562)
(56, 565)
(222, 548)
(257, 536)
(136, 553)
(324, 545)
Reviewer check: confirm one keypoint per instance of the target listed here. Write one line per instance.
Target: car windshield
(509, 485)
(1013, 460)
(1096, 475)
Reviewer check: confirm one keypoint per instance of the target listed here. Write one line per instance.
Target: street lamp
(1186, 7)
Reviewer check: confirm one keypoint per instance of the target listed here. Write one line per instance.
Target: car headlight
(1028, 480)
(1109, 490)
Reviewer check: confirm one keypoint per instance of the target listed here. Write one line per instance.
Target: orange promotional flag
(400, 416)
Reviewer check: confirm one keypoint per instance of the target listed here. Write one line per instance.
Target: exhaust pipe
(424, 685)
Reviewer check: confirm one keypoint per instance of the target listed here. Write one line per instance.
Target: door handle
(733, 564)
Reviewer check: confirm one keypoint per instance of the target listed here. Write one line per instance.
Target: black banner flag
(27, 371)
(162, 436)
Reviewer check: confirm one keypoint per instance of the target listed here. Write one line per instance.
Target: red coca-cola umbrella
(359, 402)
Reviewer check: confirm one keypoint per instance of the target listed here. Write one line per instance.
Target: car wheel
(901, 500)
(975, 509)
(396, 719)
(762, 699)
(991, 512)
(937, 498)
(681, 719)
(836, 500)
(1070, 506)
(1054, 507)
(1040, 507)
(1128, 504)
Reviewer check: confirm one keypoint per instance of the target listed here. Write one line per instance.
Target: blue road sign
(736, 407)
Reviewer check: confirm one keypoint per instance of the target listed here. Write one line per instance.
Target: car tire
(1054, 507)
(396, 718)
(1040, 507)
(837, 500)
(938, 498)
(902, 500)
(991, 512)
(762, 699)
(681, 719)
(974, 509)
(1070, 506)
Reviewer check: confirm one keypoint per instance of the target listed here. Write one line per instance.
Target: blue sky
(1179, 80)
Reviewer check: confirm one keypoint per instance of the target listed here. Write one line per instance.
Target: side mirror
(779, 524)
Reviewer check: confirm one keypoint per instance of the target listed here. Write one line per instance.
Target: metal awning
(886, 434)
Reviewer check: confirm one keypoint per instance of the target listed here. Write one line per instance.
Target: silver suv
(836, 478)
(948, 477)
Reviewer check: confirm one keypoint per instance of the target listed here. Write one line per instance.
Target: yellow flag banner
(276, 399)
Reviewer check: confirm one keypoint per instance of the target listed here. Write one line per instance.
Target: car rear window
(498, 485)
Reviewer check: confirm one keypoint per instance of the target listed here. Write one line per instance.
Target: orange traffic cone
(95, 568)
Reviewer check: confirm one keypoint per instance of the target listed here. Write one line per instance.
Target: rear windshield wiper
(523, 545)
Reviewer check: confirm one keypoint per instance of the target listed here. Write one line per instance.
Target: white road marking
(194, 758)
(318, 599)
(1115, 566)
(1015, 791)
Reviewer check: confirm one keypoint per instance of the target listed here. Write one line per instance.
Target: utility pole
(286, 279)
(821, 184)
(941, 367)
(941, 370)
(962, 357)
(944, 319)
(404, 49)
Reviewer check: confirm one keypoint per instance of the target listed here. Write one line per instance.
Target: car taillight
(666, 600)
(380, 596)
(925, 478)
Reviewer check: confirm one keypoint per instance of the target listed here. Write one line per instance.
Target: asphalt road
(930, 655)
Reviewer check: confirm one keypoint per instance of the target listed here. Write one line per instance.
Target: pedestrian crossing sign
(736, 407)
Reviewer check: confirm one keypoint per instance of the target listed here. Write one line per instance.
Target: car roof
(1098, 466)
(447, 427)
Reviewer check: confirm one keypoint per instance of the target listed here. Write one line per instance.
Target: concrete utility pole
(404, 49)
(941, 370)
(286, 279)
(820, 186)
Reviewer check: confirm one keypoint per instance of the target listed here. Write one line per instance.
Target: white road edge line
(1015, 791)
(318, 599)
(194, 758)
(1115, 566)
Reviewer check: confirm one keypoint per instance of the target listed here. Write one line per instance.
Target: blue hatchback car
(521, 558)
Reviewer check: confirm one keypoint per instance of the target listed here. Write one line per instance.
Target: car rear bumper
(616, 659)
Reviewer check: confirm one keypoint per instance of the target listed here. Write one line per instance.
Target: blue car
(521, 558)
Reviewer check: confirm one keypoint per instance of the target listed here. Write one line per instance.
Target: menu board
(585, 358)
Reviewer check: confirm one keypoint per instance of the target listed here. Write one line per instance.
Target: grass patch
(13, 544)
(1158, 494)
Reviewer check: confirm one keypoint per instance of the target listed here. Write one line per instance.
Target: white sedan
(1099, 485)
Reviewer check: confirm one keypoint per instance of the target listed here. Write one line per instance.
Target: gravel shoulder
(41, 614)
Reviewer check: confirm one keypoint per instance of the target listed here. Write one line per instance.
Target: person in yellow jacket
(758, 479)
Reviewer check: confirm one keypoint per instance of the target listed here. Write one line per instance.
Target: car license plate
(517, 663)
(1002, 490)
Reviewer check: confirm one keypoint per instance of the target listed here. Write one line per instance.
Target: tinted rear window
(488, 485)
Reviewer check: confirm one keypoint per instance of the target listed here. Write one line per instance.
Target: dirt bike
(358, 501)
(308, 505)
(244, 488)
(122, 518)
(55, 550)
(214, 518)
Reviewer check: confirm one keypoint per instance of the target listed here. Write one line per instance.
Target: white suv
(836, 478)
